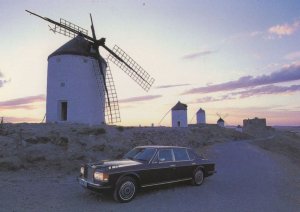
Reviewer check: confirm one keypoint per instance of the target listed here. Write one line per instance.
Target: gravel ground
(248, 179)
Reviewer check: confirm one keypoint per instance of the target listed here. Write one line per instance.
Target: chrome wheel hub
(127, 190)
(199, 177)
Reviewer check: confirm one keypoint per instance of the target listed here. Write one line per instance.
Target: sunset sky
(237, 58)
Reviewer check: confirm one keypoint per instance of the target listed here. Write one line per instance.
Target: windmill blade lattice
(66, 32)
(112, 111)
(137, 73)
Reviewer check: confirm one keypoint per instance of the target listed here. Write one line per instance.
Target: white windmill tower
(179, 115)
(80, 87)
(201, 118)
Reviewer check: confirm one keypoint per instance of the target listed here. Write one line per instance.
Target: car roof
(160, 146)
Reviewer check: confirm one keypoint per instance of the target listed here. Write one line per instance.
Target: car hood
(114, 164)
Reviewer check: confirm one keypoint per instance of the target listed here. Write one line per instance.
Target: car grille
(89, 173)
(85, 174)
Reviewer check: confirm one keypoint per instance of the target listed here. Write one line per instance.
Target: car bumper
(92, 186)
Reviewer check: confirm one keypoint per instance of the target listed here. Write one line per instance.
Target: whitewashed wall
(85, 99)
(220, 124)
(201, 119)
(179, 115)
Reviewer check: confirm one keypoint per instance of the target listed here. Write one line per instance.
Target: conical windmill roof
(179, 106)
(220, 120)
(201, 111)
(76, 46)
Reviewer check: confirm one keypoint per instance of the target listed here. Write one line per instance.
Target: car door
(184, 167)
(167, 164)
(161, 169)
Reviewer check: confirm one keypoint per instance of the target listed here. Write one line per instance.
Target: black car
(145, 166)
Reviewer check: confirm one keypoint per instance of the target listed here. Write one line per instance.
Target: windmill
(221, 121)
(116, 55)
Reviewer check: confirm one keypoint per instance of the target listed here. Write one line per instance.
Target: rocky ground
(24, 146)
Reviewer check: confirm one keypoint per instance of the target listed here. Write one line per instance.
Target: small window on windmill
(62, 84)
(58, 60)
(63, 110)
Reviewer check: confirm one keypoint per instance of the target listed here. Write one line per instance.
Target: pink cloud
(22, 103)
(140, 98)
(262, 90)
(198, 54)
(293, 56)
(171, 85)
(284, 29)
(213, 99)
(286, 74)
(269, 89)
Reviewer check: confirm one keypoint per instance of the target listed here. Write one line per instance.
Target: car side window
(192, 154)
(155, 159)
(180, 154)
(165, 155)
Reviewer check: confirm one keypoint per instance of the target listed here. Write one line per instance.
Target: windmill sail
(63, 29)
(112, 112)
(111, 109)
(131, 68)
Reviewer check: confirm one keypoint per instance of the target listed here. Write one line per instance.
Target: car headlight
(101, 176)
(82, 170)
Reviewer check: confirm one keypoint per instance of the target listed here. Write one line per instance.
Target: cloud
(286, 74)
(269, 89)
(198, 54)
(293, 56)
(263, 90)
(3, 81)
(284, 29)
(22, 103)
(213, 99)
(171, 86)
(140, 98)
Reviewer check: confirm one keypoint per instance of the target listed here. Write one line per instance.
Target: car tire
(125, 189)
(198, 177)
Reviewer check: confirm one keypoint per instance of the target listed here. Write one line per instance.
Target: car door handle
(173, 165)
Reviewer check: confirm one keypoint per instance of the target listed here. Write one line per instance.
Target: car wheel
(125, 189)
(198, 177)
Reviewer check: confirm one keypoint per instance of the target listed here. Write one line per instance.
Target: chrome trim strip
(93, 184)
(173, 181)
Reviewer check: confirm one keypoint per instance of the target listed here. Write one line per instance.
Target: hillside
(66, 146)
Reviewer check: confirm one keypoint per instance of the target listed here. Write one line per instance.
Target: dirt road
(248, 179)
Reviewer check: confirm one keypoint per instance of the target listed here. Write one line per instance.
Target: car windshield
(141, 154)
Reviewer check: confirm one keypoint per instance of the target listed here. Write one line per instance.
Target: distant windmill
(221, 121)
(76, 98)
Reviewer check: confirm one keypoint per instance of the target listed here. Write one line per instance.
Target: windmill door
(63, 110)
